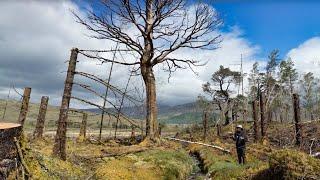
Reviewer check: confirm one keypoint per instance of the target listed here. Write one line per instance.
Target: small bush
(291, 164)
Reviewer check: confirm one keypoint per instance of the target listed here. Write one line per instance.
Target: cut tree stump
(8, 150)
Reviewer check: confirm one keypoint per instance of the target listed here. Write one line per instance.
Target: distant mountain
(179, 114)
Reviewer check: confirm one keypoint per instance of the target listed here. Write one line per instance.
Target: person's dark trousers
(241, 155)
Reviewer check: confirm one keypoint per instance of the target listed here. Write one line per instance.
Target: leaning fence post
(38, 132)
(24, 105)
(297, 119)
(59, 148)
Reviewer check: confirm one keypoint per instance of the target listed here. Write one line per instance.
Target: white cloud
(307, 56)
(36, 42)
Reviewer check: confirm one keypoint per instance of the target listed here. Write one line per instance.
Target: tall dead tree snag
(255, 120)
(162, 27)
(262, 115)
(205, 125)
(24, 105)
(297, 119)
(83, 127)
(8, 151)
(59, 148)
(38, 132)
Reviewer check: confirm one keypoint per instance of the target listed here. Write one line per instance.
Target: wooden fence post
(133, 133)
(24, 105)
(255, 120)
(38, 132)
(297, 119)
(262, 115)
(83, 127)
(59, 148)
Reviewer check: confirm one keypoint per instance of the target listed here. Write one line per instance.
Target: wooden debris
(24, 164)
(200, 143)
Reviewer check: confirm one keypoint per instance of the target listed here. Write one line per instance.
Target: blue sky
(272, 24)
(42, 35)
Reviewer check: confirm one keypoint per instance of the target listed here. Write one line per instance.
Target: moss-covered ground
(165, 159)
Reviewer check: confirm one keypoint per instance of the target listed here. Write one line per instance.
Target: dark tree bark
(205, 125)
(262, 115)
(297, 119)
(59, 148)
(24, 105)
(152, 109)
(83, 127)
(38, 132)
(133, 133)
(8, 151)
(218, 130)
(255, 121)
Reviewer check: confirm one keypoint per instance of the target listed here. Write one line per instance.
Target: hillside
(180, 114)
(13, 109)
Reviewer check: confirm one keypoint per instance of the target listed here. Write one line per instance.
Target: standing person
(241, 138)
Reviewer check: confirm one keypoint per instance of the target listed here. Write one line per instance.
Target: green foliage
(174, 164)
(223, 166)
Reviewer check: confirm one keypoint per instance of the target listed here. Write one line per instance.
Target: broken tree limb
(24, 164)
(200, 143)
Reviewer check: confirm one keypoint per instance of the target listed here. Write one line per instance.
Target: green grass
(222, 166)
(152, 164)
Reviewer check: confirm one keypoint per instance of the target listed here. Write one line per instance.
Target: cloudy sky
(36, 38)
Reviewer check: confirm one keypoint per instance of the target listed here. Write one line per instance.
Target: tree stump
(8, 150)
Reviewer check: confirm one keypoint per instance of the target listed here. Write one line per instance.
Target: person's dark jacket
(241, 138)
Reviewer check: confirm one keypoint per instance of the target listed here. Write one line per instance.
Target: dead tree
(205, 125)
(24, 105)
(255, 120)
(83, 127)
(59, 148)
(262, 115)
(8, 151)
(38, 132)
(297, 119)
(162, 27)
(218, 130)
(133, 133)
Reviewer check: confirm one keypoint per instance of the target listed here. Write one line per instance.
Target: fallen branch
(200, 143)
(21, 157)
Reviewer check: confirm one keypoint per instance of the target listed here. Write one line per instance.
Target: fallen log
(200, 143)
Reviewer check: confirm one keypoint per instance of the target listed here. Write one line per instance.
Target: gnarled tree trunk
(152, 110)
